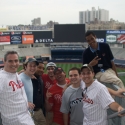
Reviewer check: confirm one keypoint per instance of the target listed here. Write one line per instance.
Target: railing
(113, 118)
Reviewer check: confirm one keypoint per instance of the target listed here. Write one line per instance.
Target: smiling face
(11, 63)
(50, 70)
(30, 68)
(87, 76)
(40, 69)
(60, 76)
(91, 40)
(74, 77)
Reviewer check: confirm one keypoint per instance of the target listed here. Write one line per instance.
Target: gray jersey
(72, 103)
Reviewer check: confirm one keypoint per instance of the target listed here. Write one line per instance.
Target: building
(36, 21)
(109, 25)
(100, 15)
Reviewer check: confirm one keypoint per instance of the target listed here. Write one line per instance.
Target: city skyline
(92, 15)
(65, 12)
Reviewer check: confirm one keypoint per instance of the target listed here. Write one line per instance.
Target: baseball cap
(58, 69)
(51, 64)
(31, 60)
(87, 66)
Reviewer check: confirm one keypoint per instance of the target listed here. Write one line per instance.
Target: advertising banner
(100, 35)
(115, 36)
(121, 38)
(42, 36)
(15, 38)
(4, 38)
(27, 39)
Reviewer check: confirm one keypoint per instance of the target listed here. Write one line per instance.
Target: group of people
(31, 97)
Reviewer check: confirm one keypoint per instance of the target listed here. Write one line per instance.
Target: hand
(119, 110)
(31, 105)
(33, 77)
(48, 95)
(21, 71)
(120, 92)
(94, 61)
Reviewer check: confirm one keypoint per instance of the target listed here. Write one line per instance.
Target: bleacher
(34, 51)
(118, 53)
(67, 52)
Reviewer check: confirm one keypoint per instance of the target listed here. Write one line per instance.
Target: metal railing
(113, 118)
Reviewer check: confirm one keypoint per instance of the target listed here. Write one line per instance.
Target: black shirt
(38, 95)
(104, 53)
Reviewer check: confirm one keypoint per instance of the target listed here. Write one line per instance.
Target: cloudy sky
(62, 11)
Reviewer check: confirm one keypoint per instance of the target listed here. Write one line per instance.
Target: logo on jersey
(48, 85)
(88, 100)
(75, 102)
(103, 54)
(15, 85)
(58, 98)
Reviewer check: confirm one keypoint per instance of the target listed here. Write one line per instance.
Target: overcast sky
(14, 12)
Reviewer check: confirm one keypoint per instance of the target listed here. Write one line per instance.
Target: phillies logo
(58, 98)
(15, 85)
(88, 100)
(48, 85)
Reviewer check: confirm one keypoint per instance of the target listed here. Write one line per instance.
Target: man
(96, 99)
(30, 67)
(13, 100)
(99, 56)
(38, 96)
(54, 99)
(49, 80)
(72, 99)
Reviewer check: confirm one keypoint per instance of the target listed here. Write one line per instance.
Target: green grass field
(67, 66)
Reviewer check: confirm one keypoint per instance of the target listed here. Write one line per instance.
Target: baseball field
(67, 66)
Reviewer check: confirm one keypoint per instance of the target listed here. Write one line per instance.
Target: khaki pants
(109, 76)
(49, 118)
(39, 118)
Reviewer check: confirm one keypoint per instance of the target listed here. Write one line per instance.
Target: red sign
(1, 33)
(121, 38)
(4, 39)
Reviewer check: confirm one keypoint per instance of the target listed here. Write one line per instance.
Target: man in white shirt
(13, 100)
(72, 98)
(96, 99)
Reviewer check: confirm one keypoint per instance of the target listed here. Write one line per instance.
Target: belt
(36, 109)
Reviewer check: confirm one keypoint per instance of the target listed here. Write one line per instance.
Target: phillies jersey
(96, 101)
(13, 100)
(47, 82)
(56, 101)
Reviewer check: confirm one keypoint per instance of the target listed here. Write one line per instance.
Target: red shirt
(56, 101)
(47, 82)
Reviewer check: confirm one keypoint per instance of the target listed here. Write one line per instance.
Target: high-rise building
(36, 21)
(87, 16)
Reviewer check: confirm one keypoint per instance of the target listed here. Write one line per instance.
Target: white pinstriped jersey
(13, 100)
(95, 104)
